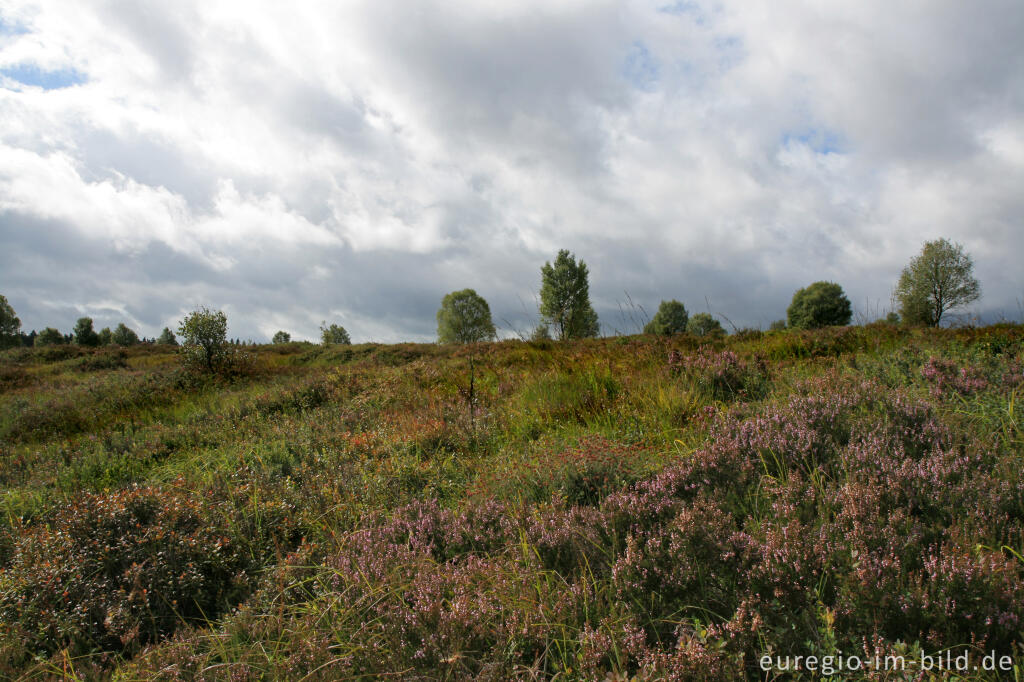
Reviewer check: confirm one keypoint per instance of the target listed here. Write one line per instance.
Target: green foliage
(10, 325)
(565, 298)
(671, 318)
(649, 508)
(541, 333)
(123, 336)
(167, 338)
(935, 282)
(704, 325)
(204, 339)
(822, 304)
(105, 337)
(123, 570)
(281, 337)
(334, 334)
(49, 337)
(777, 326)
(84, 333)
(464, 317)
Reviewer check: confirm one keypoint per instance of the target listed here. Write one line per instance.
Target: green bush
(822, 304)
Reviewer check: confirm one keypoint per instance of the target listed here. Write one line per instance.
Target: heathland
(658, 507)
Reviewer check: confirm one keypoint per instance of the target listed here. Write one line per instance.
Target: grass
(639, 506)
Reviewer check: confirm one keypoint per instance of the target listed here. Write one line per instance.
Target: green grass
(524, 506)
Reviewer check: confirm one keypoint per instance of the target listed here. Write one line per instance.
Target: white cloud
(365, 158)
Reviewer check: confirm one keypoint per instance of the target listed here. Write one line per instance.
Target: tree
(464, 317)
(10, 325)
(106, 337)
(49, 337)
(167, 338)
(822, 304)
(935, 282)
(777, 326)
(334, 334)
(703, 324)
(84, 333)
(671, 318)
(565, 298)
(123, 336)
(281, 337)
(204, 333)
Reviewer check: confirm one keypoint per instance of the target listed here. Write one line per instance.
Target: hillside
(626, 506)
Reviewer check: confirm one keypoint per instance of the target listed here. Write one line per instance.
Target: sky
(352, 162)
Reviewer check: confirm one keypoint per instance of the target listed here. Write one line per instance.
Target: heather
(651, 507)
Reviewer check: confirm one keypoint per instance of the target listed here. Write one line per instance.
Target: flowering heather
(338, 513)
(723, 375)
(945, 376)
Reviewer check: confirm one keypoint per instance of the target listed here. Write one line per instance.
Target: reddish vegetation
(651, 508)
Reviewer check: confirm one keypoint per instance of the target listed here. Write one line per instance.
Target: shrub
(281, 337)
(704, 325)
(10, 325)
(123, 336)
(464, 317)
(565, 298)
(334, 334)
(121, 570)
(936, 281)
(49, 337)
(84, 333)
(722, 375)
(671, 318)
(822, 304)
(204, 339)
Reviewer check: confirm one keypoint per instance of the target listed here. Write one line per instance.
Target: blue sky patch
(820, 141)
(641, 68)
(30, 74)
(10, 28)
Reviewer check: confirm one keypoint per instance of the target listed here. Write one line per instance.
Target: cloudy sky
(354, 161)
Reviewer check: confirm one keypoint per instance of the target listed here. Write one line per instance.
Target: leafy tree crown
(464, 317)
(565, 298)
(822, 304)
(49, 337)
(10, 325)
(85, 335)
(204, 338)
(703, 324)
(671, 318)
(167, 337)
(123, 336)
(334, 334)
(938, 280)
(281, 337)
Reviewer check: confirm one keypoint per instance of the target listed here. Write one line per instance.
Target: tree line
(936, 281)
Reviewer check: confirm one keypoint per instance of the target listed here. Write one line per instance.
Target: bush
(123, 336)
(122, 570)
(464, 317)
(84, 333)
(936, 281)
(671, 318)
(722, 375)
(334, 334)
(281, 337)
(822, 304)
(49, 337)
(703, 324)
(204, 339)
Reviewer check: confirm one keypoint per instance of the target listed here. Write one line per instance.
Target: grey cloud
(753, 149)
